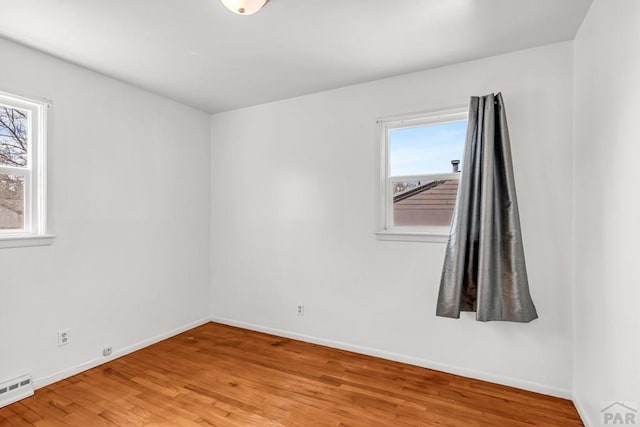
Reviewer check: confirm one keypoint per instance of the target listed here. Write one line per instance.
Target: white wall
(293, 200)
(607, 207)
(129, 202)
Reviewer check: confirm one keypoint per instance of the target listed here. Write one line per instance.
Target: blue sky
(426, 149)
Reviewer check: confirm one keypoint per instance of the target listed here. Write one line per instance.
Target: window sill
(432, 236)
(25, 240)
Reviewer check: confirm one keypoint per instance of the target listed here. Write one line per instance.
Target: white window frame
(385, 228)
(35, 231)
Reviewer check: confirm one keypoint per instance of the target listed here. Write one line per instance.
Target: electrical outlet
(300, 310)
(63, 337)
(107, 351)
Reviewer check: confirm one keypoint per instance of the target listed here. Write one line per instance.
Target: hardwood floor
(224, 376)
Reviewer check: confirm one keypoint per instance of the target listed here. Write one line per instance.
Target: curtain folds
(484, 268)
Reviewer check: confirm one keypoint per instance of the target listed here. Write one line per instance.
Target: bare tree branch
(13, 143)
(13, 152)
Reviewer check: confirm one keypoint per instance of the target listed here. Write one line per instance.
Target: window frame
(385, 229)
(35, 231)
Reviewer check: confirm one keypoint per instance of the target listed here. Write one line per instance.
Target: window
(22, 172)
(421, 163)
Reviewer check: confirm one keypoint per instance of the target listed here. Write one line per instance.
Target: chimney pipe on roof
(456, 165)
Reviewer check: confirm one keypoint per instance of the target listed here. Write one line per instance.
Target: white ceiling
(199, 53)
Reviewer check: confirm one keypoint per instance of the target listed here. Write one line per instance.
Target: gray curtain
(484, 268)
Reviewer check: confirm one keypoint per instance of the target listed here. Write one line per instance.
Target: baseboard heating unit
(15, 389)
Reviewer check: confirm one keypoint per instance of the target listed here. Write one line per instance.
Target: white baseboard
(411, 360)
(74, 370)
(582, 412)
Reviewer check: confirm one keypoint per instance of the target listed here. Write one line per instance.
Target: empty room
(319, 213)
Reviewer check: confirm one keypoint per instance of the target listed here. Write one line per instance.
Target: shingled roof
(427, 204)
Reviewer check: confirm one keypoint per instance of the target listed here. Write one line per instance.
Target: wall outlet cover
(63, 337)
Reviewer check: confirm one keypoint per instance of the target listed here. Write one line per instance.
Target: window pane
(424, 203)
(14, 144)
(426, 149)
(11, 202)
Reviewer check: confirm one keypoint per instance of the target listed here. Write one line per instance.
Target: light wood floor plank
(217, 375)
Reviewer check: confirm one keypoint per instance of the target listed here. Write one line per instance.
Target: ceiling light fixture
(244, 7)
